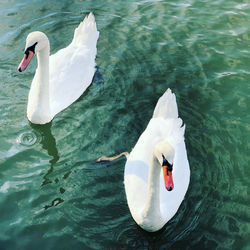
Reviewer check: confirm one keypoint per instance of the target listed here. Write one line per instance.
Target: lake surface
(54, 196)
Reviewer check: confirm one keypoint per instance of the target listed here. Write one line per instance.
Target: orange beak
(168, 179)
(25, 62)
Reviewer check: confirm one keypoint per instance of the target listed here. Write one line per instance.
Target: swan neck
(39, 110)
(43, 78)
(43, 65)
(152, 208)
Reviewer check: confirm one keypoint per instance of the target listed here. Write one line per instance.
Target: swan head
(164, 152)
(35, 42)
(167, 173)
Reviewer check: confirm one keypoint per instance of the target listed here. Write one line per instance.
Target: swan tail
(166, 106)
(86, 33)
(167, 109)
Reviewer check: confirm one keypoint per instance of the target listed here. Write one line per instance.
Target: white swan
(159, 157)
(157, 173)
(61, 78)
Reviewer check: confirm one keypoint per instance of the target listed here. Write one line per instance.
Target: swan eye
(31, 48)
(167, 164)
(26, 53)
(169, 168)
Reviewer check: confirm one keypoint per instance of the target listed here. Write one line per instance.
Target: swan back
(72, 68)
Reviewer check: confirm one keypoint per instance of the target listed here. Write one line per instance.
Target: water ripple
(28, 139)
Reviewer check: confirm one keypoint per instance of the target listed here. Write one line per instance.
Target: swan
(156, 175)
(61, 78)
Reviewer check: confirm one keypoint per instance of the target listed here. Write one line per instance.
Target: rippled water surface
(53, 195)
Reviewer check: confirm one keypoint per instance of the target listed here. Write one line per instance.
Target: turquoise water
(54, 196)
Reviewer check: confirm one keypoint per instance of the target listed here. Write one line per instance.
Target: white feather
(150, 204)
(61, 78)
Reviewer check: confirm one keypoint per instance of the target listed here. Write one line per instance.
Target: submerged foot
(111, 158)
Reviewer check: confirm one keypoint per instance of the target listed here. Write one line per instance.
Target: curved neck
(43, 75)
(39, 97)
(152, 207)
(152, 211)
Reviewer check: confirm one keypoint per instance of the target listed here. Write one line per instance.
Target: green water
(53, 196)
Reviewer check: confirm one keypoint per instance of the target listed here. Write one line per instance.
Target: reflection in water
(48, 140)
(48, 143)
(98, 79)
(55, 202)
